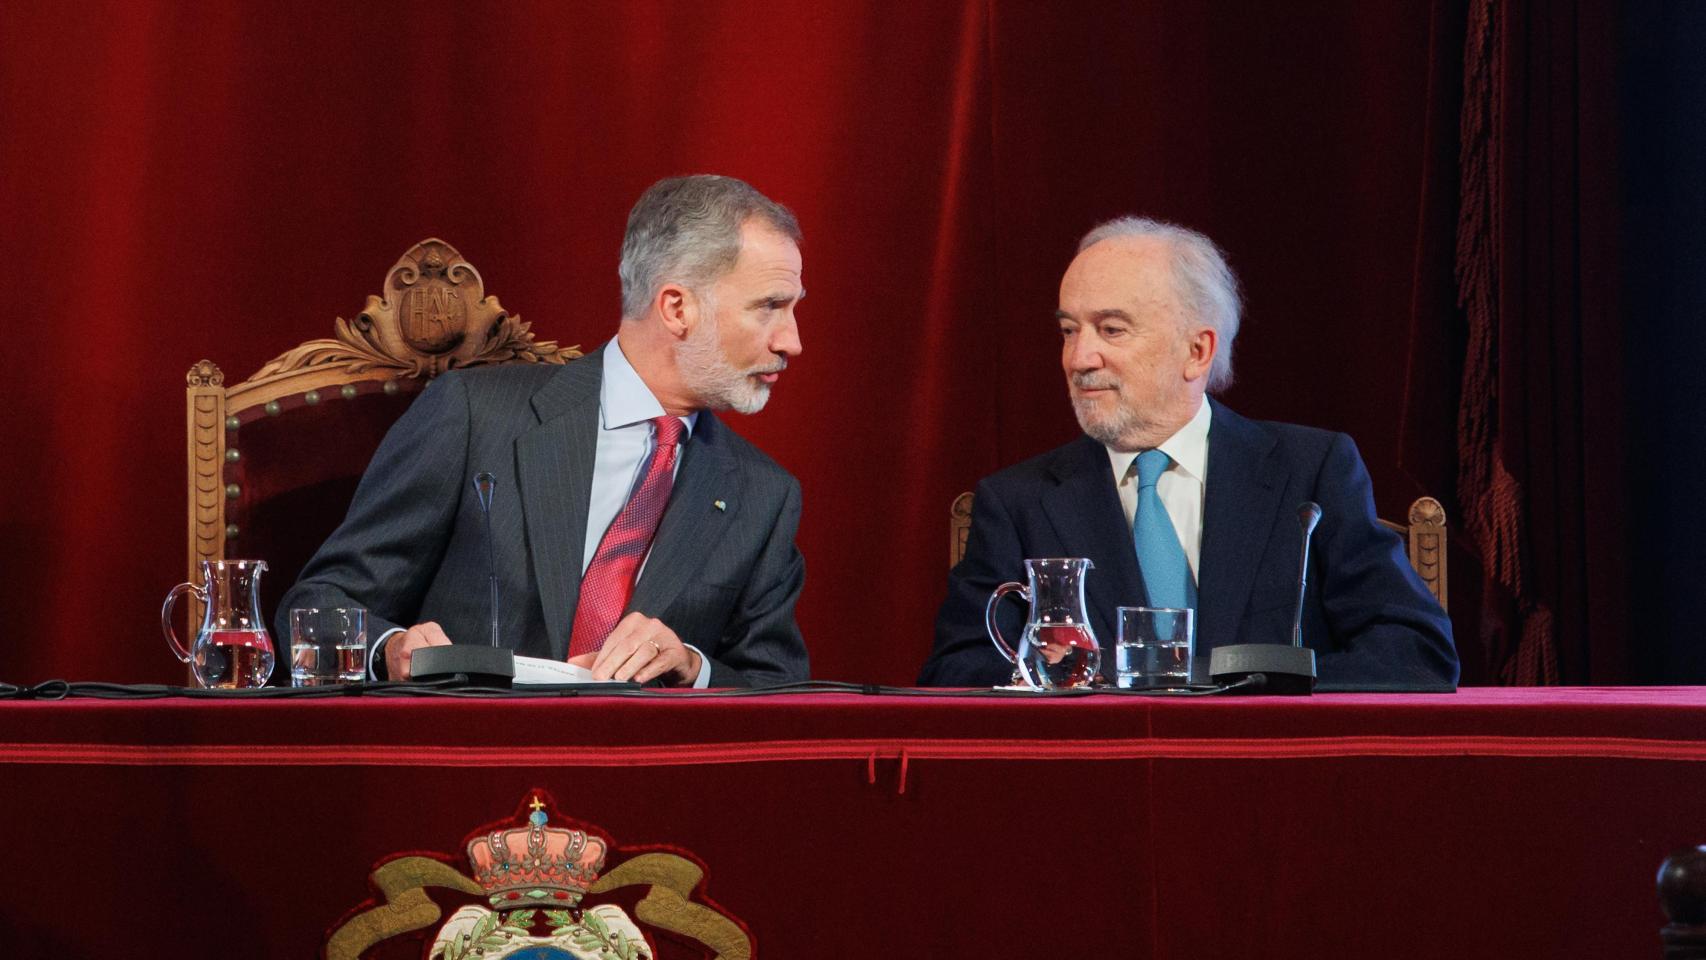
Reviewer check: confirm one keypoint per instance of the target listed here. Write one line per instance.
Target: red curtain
(1516, 348)
(190, 180)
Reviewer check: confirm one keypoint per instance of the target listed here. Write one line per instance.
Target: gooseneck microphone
(484, 483)
(488, 666)
(1308, 515)
(1287, 668)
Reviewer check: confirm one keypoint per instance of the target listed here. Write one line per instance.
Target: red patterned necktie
(609, 580)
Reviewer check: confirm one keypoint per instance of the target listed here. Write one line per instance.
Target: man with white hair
(632, 533)
(1180, 502)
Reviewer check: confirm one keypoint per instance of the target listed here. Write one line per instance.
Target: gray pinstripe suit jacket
(412, 547)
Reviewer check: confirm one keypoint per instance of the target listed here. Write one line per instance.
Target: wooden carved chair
(1424, 535)
(274, 460)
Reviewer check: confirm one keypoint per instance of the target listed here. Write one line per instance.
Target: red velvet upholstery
(1488, 823)
(296, 474)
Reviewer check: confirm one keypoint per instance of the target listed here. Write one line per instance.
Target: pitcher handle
(989, 617)
(178, 648)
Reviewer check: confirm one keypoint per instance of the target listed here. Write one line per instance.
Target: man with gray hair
(1180, 502)
(632, 533)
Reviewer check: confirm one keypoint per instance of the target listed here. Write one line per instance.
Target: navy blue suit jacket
(1367, 615)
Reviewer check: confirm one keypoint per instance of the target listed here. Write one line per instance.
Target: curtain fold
(1525, 338)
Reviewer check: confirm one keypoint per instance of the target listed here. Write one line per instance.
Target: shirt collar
(1188, 448)
(624, 399)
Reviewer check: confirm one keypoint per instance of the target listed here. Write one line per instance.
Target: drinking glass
(328, 645)
(1155, 647)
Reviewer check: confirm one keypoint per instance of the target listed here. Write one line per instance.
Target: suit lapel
(1239, 506)
(553, 462)
(693, 523)
(1084, 508)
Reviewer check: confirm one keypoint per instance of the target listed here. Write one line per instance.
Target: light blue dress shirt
(626, 408)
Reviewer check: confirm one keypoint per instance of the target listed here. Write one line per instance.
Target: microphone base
(477, 665)
(1290, 670)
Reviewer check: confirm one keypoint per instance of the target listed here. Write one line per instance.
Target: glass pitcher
(1057, 650)
(232, 649)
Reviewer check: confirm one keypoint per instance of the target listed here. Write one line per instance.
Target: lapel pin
(720, 505)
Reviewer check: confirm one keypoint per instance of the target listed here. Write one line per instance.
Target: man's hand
(402, 646)
(641, 649)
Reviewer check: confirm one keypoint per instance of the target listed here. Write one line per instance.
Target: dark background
(1663, 141)
(221, 180)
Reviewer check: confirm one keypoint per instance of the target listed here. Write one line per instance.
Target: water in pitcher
(231, 649)
(1061, 655)
(1057, 649)
(233, 659)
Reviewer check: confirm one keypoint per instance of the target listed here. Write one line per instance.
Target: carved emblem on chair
(434, 315)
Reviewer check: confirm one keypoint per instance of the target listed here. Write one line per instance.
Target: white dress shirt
(1180, 486)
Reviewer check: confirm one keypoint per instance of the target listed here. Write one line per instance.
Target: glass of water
(1154, 647)
(327, 645)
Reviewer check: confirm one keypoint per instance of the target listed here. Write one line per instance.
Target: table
(1490, 822)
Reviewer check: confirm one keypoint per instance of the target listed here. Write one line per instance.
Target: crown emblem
(536, 865)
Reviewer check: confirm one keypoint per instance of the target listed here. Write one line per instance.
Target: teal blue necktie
(1166, 574)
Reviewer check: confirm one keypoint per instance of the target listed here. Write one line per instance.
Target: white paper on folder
(539, 670)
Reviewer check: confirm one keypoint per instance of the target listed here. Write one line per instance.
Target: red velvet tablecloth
(1495, 823)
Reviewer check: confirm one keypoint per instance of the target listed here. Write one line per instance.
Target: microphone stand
(484, 666)
(1275, 667)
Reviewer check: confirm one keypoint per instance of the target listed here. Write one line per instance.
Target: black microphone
(484, 483)
(489, 666)
(1285, 668)
(1308, 515)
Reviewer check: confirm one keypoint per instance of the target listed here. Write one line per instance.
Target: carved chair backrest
(256, 448)
(1424, 539)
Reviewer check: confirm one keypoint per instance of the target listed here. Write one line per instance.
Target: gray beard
(715, 381)
(1124, 429)
(1111, 430)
